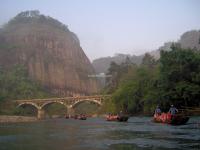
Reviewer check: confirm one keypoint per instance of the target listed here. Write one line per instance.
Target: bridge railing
(65, 98)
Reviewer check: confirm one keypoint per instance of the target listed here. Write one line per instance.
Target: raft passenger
(158, 110)
(173, 110)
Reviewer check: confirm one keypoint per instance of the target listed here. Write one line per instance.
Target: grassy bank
(13, 119)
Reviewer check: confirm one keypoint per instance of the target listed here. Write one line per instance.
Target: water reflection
(97, 134)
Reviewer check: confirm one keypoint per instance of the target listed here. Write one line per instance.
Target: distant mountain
(102, 64)
(190, 39)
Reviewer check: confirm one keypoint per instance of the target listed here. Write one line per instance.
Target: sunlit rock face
(50, 51)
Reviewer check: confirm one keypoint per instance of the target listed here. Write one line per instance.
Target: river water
(139, 133)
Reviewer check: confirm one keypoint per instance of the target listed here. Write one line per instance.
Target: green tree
(180, 77)
(148, 60)
(117, 72)
(136, 90)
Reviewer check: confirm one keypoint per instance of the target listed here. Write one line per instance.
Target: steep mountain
(50, 51)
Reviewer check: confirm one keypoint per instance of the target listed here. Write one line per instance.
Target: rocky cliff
(50, 51)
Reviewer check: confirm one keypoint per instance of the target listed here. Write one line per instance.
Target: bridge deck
(65, 98)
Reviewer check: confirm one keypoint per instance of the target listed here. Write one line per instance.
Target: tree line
(173, 79)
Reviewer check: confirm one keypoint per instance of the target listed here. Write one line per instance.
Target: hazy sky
(106, 27)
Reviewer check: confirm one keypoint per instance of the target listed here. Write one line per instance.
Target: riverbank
(14, 119)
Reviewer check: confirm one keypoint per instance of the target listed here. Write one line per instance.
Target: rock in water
(50, 51)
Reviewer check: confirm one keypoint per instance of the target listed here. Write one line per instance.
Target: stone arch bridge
(69, 102)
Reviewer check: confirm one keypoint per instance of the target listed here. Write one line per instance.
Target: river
(139, 133)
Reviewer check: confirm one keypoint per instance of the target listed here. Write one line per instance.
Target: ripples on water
(139, 133)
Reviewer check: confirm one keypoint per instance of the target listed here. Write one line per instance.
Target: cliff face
(51, 53)
(190, 39)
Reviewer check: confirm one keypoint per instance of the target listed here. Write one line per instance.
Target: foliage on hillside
(174, 79)
(16, 84)
(35, 16)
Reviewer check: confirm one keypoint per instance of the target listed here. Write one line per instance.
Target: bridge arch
(86, 100)
(29, 103)
(52, 102)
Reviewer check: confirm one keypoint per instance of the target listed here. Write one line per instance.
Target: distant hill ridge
(190, 39)
(101, 65)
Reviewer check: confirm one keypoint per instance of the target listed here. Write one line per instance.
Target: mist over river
(139, 133)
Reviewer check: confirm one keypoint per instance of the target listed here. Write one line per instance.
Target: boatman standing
(173, 110)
